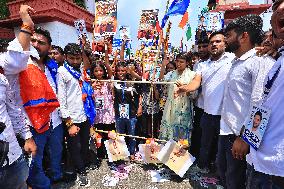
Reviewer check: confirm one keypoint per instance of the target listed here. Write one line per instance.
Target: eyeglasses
(33, 40)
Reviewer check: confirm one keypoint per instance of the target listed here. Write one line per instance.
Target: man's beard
(42, 55)
(233, 47)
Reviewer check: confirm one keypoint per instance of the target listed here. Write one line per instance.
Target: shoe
(82, 180)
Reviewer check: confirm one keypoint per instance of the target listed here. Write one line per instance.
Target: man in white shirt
(266, 165)
(203, 53)
(71, 78)
(14, 170)
(212, 80)
(52, 138)
(243, 90)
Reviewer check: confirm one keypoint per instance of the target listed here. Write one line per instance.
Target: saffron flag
(183, 20)
(188, 32)
(158, 27)
(39, 99)
(178, 7)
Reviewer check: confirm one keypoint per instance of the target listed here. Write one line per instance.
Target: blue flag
(177, 7)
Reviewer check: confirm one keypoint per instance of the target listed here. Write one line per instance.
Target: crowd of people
(53, 99)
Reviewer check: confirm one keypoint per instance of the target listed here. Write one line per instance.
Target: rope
(131, 136)
(149, 82)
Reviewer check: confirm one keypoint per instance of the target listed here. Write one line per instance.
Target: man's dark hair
(203, 40)
(252, 24)
(195, 54)
(276, 4)
(72, 49)
(216, 33)
(259, 114)
(59, 49)
(45, 33)
(183, 56)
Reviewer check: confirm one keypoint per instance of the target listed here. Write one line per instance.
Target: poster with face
(150, 151)
(106, 18)
(124, 32)
(202, 22)
(116, 149)
(256, 126)
(147, 24)
(215, 21)
(175, 157)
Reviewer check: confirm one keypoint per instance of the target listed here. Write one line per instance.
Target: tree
(4, 11)
(80, 3)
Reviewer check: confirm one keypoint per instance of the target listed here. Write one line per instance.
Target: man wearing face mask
(212, 81)
(243, 90)
(77, 108)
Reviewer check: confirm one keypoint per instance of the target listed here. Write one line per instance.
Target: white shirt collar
(247, 55)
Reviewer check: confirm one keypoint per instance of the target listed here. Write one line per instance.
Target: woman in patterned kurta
(177, 117)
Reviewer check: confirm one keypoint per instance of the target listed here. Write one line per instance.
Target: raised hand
(25, 12)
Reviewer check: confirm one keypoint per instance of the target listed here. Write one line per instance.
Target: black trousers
(78, 146)
(196, 132)
(210, 125)
(147, 125)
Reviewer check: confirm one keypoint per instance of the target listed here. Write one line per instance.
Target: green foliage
(79, 3)
(4, 11)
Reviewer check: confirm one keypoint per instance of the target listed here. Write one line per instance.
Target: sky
(129, 12)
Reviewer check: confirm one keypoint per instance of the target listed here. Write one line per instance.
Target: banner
(215, 21)
(116, 149)
(147, 25)
(124, 32)
(81, 30)
(176, 158)
(255, 126)
(106, 18)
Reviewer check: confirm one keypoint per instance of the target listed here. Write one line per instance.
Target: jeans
(122, 125)
(257, 180)
(210, 125)
(53, 139)
(78, 146)
(232, 171)
(14, 176)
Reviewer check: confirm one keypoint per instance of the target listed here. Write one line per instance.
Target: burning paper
(116, 149)
(150, 151)
(176, 158)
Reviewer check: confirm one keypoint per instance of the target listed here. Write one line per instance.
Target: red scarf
(38, 98)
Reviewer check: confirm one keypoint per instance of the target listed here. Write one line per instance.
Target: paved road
(139, 178)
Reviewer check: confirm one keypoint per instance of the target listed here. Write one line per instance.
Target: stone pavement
(138, 176)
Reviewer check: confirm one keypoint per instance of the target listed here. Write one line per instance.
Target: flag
(188, 32)
(158, 27)
(183, 20)
(177, 7)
